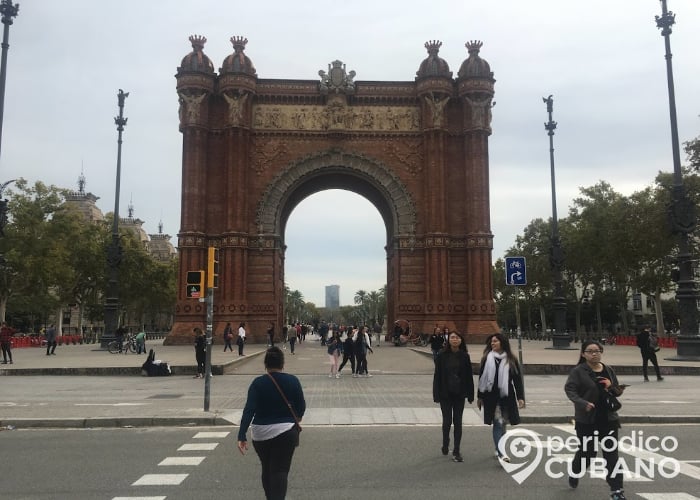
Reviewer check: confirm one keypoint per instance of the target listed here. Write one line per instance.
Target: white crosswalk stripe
(182, 461)
(211, 435)
(198, 447)
(667, 496)
(160, 479)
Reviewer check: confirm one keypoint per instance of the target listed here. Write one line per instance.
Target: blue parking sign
(515, 271)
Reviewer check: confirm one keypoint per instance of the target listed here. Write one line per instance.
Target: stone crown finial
(433, 45)
(239, 43)
(198, 42)
(474, 46)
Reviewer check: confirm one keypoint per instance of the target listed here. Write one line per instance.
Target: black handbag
(611, 402)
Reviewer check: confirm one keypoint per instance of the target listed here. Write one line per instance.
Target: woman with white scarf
(501, 390)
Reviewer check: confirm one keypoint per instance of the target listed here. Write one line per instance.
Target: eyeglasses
(594, 352)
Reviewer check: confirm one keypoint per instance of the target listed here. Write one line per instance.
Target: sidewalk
(41, 394)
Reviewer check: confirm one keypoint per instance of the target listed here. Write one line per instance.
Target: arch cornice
(394, 193)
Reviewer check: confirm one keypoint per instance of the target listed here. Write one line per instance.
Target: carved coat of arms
(337, 80)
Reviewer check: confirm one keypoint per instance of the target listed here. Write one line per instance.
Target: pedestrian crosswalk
(166, 479)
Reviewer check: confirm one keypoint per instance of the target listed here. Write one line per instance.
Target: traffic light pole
(207, 365)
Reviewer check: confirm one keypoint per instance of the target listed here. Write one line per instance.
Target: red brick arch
(253, 149)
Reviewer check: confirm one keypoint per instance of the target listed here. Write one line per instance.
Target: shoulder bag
(286, 401)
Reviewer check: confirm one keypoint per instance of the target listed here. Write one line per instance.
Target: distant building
(332, 297)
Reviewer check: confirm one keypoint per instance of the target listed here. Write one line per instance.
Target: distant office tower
(332, 297)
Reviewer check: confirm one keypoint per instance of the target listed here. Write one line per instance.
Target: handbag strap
(286, 401)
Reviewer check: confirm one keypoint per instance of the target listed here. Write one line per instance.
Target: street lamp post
(682, 217)
(114, 252)
(8, 11)
(560, 339)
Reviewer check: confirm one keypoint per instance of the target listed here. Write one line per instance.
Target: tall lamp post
(114, 252)
(682, 217)
(560, 339)
(8, 11)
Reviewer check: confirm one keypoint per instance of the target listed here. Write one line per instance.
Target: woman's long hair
(584, 345)
(462, 344)
(505, 345)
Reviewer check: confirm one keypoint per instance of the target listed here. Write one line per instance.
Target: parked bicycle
(128, 345)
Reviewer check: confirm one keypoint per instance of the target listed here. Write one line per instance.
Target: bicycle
(128, 345)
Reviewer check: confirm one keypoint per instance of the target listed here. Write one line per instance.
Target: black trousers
(587, 451)
(361, 366)
(276, 460)
(649, 355)
(201, 361)
(452, 409)
(6, 351)
(347, 357)
(240, 343)
(227, 344)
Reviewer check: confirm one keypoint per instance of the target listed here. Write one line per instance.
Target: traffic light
(195, 285)
(213, 267)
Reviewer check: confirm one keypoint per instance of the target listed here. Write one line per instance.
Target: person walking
(241, 338)
(228, 335)
(271, 334)
(437, 342)
(361, 347)
(648, 350)
(334, 347)
(6, 334)
(51, 340)
(588, 386)
(501, 389)
(292, 338)
(348, 353)
(200, 351)
(275, 407)
(453, 383)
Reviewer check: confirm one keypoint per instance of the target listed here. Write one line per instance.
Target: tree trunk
(660, 329)
(3, 307)
(543, 320)
(599, 319)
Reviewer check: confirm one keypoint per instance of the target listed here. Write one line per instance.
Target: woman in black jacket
(501, 389)
(587, 387)
(452, 384)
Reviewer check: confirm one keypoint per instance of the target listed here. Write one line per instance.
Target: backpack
(654, 342)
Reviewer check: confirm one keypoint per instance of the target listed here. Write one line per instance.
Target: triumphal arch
(254, 148)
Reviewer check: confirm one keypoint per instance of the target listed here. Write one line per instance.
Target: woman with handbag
(273, 411)
(593, 388)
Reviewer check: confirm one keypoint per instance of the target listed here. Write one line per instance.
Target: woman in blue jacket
(274, 425)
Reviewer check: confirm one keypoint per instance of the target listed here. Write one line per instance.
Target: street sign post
(515, 271)
(516, 275)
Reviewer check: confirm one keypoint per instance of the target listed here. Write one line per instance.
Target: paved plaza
(83, 386)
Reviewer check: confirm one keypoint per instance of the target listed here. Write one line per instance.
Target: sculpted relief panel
(336, 116)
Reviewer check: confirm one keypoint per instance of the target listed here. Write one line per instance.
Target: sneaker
(330, 375)
(354, 375)
(368, 374)
(444, 450)
(573, 482)
(456, 457)
(505, 458)
(337, 375)
(618, 495)
(659, 379)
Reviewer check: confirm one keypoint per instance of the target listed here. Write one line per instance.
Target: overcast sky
(603, 60)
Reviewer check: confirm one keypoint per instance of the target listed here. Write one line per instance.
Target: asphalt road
(368, 462)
